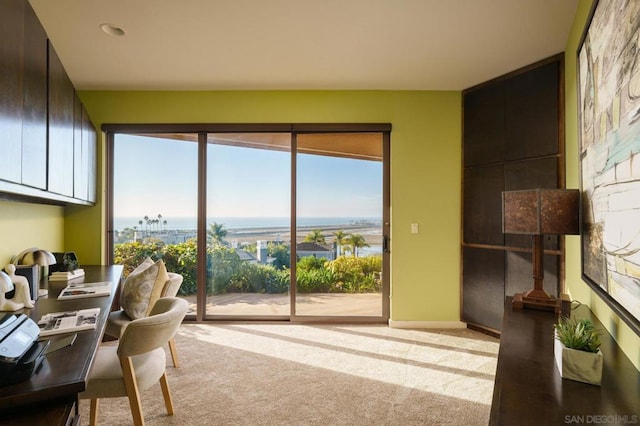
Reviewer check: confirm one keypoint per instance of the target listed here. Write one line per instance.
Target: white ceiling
(301, 44)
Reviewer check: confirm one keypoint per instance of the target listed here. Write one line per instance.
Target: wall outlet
(414, 228)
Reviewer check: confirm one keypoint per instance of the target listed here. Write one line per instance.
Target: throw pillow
(140, 287)
(158, 286)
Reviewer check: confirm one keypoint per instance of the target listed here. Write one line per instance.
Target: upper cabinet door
(34, 117)
(84, 153)
(90, 140)
(61, 121)
(11, 41)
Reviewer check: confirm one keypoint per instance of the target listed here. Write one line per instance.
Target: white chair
(139, 360)
(118, 320)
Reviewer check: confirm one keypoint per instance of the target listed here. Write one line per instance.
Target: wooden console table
(530, 391)
(50, 396)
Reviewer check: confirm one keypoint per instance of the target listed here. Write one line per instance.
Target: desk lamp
(537, 212)
(36, 256)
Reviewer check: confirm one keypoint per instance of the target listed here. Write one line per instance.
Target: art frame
(608, 62)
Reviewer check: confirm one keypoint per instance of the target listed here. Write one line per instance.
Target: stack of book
(67, 275)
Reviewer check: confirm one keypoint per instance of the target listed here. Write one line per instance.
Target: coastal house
(414, 83)
(308, 248)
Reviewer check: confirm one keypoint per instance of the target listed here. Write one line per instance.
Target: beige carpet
(285, 374)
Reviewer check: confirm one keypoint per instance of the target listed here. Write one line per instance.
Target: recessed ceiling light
(112, 30)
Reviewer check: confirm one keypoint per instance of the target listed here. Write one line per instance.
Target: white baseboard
(427, 324)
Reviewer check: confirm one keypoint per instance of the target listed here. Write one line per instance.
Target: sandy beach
(372, 234)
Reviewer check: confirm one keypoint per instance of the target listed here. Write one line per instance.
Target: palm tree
(216, 233)
(340, 240)
(315, 236)
(160, 220)
(356, 241)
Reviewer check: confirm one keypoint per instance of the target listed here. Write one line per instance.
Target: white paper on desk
(80, 290)
(67, 322)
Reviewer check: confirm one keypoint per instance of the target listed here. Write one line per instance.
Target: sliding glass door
(154, 203)
(269, 224)
(339, 225)
(248, 225)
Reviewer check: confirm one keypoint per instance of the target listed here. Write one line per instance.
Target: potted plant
(577, 350)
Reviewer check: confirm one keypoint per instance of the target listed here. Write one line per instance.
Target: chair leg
(168, 402)
(93, 412)
(131, 385)
(174, 353)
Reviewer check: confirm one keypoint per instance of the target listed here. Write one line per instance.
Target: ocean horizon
(190, 223)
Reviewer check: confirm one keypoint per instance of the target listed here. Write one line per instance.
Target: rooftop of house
(311, 246)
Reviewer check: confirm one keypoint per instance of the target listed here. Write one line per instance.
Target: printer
(20, 351)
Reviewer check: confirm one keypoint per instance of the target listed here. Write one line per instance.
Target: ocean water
(189, 223)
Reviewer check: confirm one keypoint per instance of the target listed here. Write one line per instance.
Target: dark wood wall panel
(483, 300)
(531, 113)
(511, 141)
(483, 187)
(484, 125)
(519, 273)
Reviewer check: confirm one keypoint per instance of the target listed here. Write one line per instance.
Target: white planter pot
(578, 365)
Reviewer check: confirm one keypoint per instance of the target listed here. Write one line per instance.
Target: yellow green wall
(25, 225)
(425, 172)
(578, 289)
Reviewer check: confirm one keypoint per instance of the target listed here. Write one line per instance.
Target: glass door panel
(339, 225)
(248, 225)
(155, 182)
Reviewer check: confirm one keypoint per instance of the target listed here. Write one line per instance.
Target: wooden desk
(50, 395)
(530, 391)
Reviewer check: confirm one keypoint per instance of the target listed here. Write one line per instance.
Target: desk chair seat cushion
(142, 287)
(106, 379)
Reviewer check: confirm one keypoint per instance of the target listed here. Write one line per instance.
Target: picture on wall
(609, 120)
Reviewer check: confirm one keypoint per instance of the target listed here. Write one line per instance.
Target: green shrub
(316, 280)
(227, 273)
(357, 274)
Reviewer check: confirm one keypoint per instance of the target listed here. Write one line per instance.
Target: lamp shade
(541, 211)
(38, 257)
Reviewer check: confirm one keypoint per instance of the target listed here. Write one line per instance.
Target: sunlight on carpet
(447, 363)
(289, 374)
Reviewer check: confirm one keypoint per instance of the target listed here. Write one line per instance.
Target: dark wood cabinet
(512, 140)
(34, 117)
(90, 140)
(44, 128)
(84, 153)
(62, 98)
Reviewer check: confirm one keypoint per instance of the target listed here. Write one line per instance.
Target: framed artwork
(609, 131)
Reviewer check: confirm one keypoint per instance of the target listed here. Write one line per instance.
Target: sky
(159, 176)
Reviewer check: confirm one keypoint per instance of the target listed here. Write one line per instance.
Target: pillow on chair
(143, 287)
